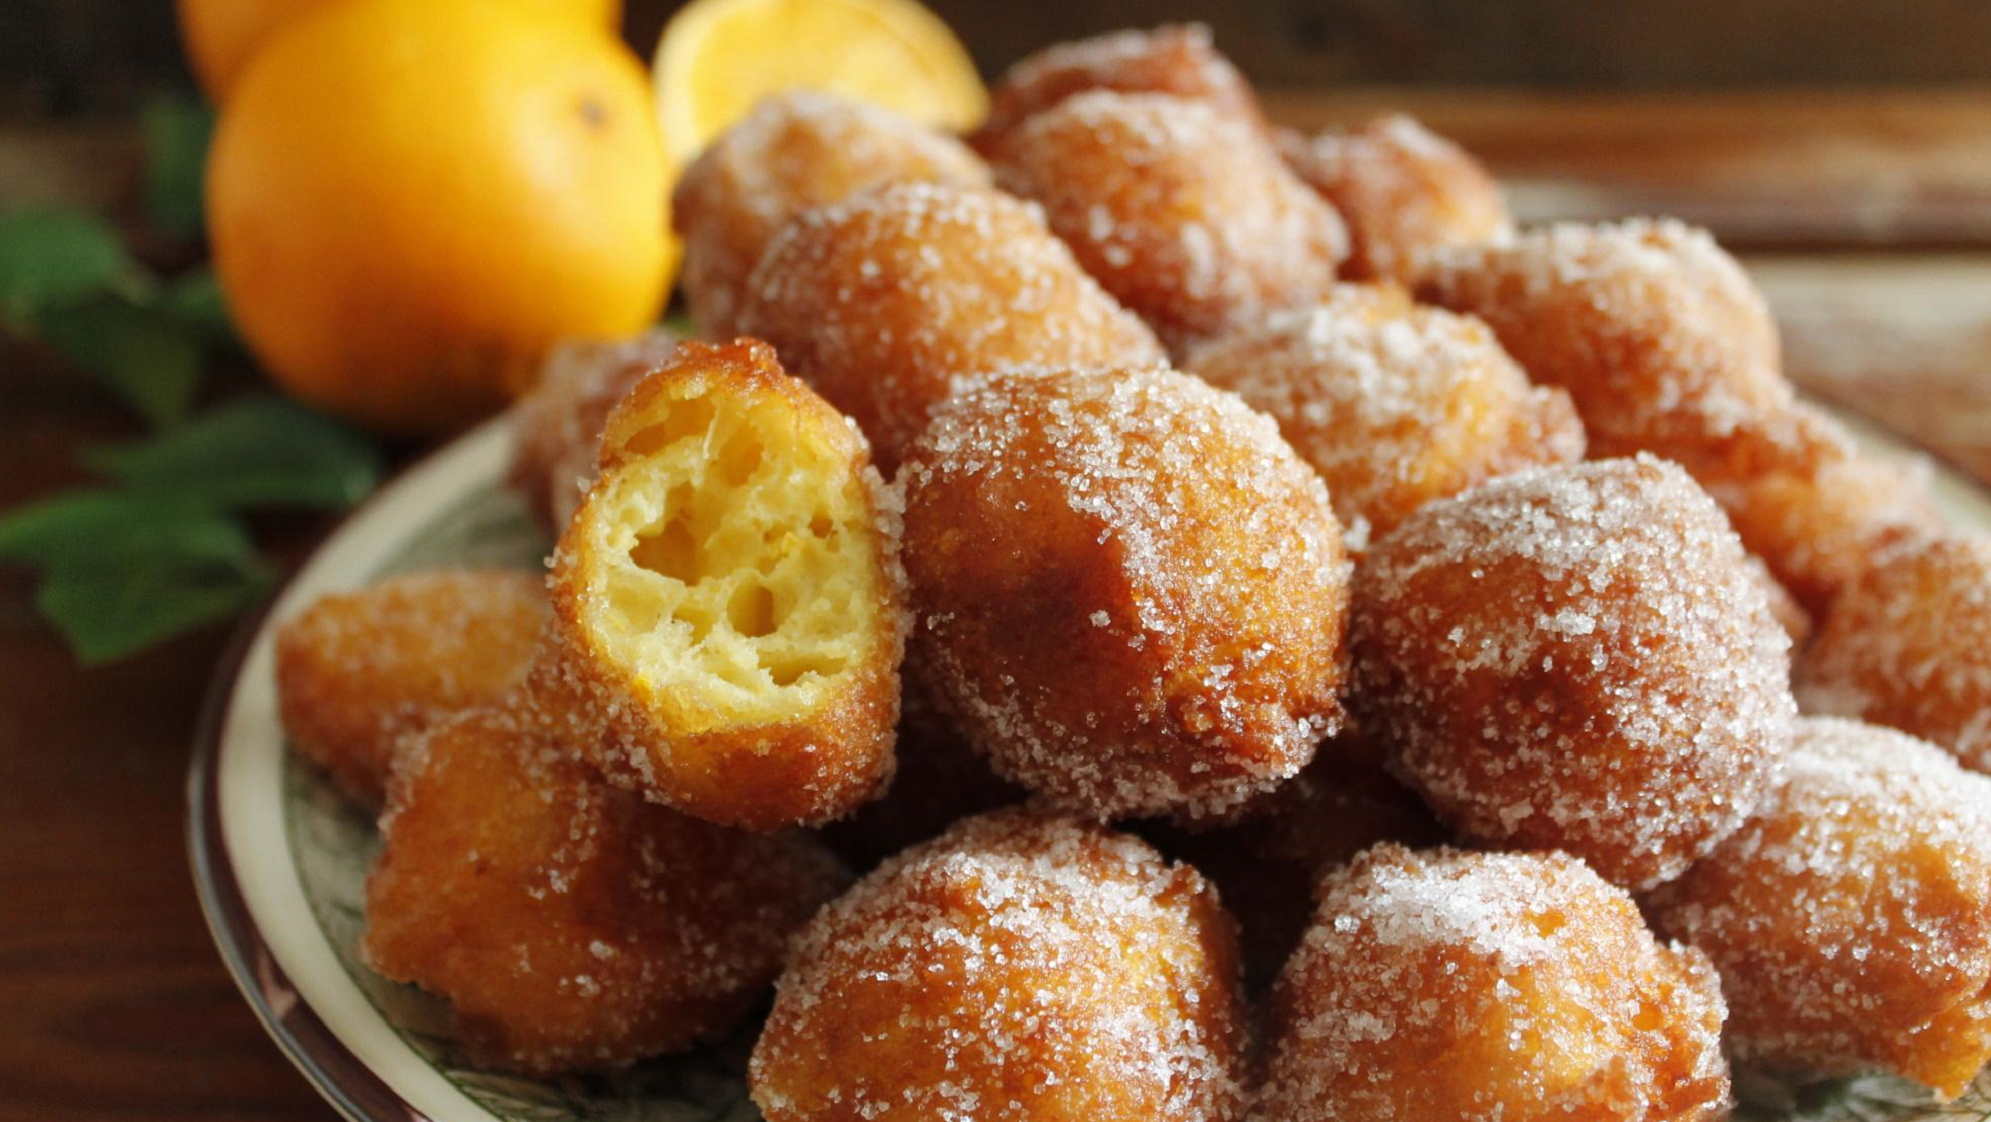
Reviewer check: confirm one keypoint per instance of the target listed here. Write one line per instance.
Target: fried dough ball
(729, 606)
(358, 671)
(1175, 59)
(1126, 587)
(880, 301)
(1394, 404)
(574, 925)
(1909, 646)
(1796, 621)
(1851, 918)
(1661, 339)
(1022, 966)
(795, 150)
(1183, 212)
(1817, 510)
(1490, 988)
(1267, 863)
(556, 426)
(1576, 658)
(1403, 191)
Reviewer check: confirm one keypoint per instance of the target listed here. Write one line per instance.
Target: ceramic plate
(281, 860)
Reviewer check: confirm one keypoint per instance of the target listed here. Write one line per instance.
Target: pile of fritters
(1256, 559)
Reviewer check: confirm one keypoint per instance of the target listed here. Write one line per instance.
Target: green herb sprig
(158, 546)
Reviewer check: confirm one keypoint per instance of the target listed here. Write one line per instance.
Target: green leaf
(257, 451)
(106, 612)
(151, 359)
(50, 257)
(108, 529)
(194, 298)
(177, 131)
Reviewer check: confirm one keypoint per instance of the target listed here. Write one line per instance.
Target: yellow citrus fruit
(718, 57)
(221, 35)
(410, 200)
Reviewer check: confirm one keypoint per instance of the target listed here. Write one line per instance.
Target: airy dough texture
(729, 603)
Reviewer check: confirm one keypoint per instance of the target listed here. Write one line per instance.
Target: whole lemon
(410, 200)
(221, 35)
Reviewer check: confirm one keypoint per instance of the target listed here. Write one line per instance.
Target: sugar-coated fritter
(556, 425)
(357, 672)
(1851, 917)
(1817, 509)
(795, 150)
(1394, 404)
(729, 606)
(572, 924)
(1403, 191)
(1576, 658)
(1176, 59)
(882, 300)
(1490, 988)
(1908, 645)
(1797, 622)
(1126, 587)
(1184, 213)
(1659, 336)
(1023, 967)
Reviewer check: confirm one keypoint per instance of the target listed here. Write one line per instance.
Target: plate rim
(355, 1088)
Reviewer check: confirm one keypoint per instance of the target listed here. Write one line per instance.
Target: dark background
(66, 56)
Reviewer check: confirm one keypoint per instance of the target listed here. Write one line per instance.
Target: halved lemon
(718, 57)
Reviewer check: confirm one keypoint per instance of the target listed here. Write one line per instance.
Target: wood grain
(117, 1007)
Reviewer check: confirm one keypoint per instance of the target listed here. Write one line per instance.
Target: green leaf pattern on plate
(334, 845)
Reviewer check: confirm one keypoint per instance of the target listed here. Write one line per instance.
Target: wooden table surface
(1866, 216)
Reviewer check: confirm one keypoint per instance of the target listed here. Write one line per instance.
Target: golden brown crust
(880, 301)
(556, 426)
(574, 926)
(1578, 658)
(1657, 334)
(1819, 511)
(677, 730)
(1851, 918)
(1394, 404)
(1403, 191)
(1908, 645)
(1183, 213)
(357, 672)
(1127, 588)
(1176, 59)
(1490, 988)
(794, 151)
(1022, 966)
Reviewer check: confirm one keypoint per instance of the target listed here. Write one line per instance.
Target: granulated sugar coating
(1797, 622)
(1177, 60)
(1817, 510)
(1183, 212)
(1403, 191)
(1851, 918)
(1126, 587)
(794, 151)
(357, 672)
(1021, 967)
(729, 608)
(1658, 334)
(1576, 658)
(556, 426)
(1908, 645)
(573, 925)
(880, 301)
(1394, 404)
(1489, 988)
